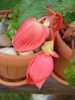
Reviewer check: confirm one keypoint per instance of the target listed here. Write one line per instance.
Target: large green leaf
(37, 9)
(72, 60)
(70, 75)
(65, 6)
(25, 4)
(69, 72)
(67, 9)
(8, 4)
(69, 17)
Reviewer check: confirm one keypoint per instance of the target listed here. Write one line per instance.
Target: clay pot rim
(65, 47)
(63, 41)
(17, 56)
(5, 11)
(57, 78)
(23, 82)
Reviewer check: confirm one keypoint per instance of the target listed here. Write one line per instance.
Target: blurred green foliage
(8, 4)
(12, 96)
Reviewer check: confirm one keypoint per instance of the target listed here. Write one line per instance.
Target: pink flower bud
(39, 69)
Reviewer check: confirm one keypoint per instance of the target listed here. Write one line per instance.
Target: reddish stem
(53, 38)
(57, 28)
(62, 31)
(65, 24)
(72, 44)
(44, 17)
(74, 55)
(50, 9)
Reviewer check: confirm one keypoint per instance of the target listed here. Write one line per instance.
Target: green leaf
(13, 23)
(10, 34)
(72, 60)
(25, 4)
(73, 24)
(69, 17)
(14, 16)
(8, 4)
(70, 75)
(67, 9)
(65, 6)
(37, 9)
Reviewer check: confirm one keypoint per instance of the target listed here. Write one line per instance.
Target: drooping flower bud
(39, 69)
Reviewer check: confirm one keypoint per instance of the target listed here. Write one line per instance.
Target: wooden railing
(51, 86)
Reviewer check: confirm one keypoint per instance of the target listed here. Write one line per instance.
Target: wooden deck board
(51, 86)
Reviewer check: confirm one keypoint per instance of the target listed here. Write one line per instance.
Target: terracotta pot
(62, 62)
(12, 67)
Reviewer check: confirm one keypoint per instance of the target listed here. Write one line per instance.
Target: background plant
(12, 96)
(37, 8)
(70, 72)
(8, 4)
(13, 23)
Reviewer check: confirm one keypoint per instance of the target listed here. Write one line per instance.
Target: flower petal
(30, 35)
(47, 33)
(29, 80)
(54, 54)
(68, 31)
(40, 67)
(48, 47)
(40, 83)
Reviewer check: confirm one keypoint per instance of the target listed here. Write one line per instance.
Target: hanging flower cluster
(70, 31)
(30, 36)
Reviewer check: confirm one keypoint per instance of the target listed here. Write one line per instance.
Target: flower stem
(44, 17)
(53, 37)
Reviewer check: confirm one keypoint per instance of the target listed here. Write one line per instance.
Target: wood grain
(51, 86)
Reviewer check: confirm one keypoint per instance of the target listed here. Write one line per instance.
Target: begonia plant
(35, 31)
(30, 36)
